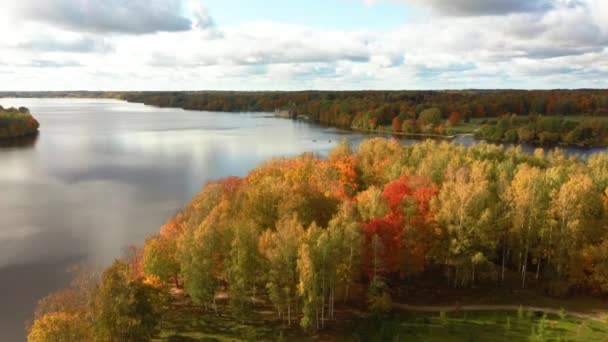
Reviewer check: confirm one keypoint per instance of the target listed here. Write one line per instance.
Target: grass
(461, 326)
(186, 322)
(488, 326)
(464, 128)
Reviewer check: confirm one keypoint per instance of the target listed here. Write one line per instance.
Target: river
(104, 174)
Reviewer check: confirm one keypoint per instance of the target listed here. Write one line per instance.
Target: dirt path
(455, 308)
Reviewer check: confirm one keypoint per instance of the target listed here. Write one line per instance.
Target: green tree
(316, 270)
(126, 309)
(280, 249)
(160, 259)
(243, 266)
(346, 234)
(431, 116)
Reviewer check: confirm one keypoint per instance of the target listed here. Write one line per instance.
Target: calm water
(104, 174)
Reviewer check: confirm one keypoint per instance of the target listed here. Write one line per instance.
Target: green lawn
(488, 326)
(188, 323)
(464, 128)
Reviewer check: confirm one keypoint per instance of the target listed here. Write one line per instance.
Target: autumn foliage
(308, 232)
(16, 123)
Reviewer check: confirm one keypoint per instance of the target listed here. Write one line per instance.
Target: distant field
(464, 128)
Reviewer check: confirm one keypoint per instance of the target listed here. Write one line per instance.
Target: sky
(296, 45)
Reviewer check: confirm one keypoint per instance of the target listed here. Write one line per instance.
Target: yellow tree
(60, 327)
(463, 209)
(370, 204)
(573, 210)
(346, 235)
(528, 199)
(380, 160)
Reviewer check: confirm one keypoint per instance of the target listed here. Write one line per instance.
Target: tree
(370, 204)
(280, 248)
(409, 201)
(60, 327)
(345, 163)
(200, 252)
(528, 198)
(126, 309)
(316, 269)
(346, 234)
(463, 209)
(66, 314)
(574, 208)
(378, 296)
(243, 266)
(430, 117)
(160, 258)
(396, 125)
(380, 160)
(454, 118)
(596, 258)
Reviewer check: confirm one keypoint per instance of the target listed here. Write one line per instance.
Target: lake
(104, 174)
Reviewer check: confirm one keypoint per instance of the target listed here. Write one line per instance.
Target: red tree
(396, 124)
(407, 232)
(454, 118)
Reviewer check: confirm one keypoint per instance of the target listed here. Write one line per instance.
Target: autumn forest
(309, 236)
(549, 117)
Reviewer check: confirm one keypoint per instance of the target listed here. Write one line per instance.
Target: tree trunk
(504, 256)
(524, 268)
(323, 302)
(346, 290)
(538, 267)
(473, 276)
(331, 303)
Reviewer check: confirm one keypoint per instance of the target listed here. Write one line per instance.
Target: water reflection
(20, 142)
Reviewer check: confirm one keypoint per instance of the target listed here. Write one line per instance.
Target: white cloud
(102, 16)
(480, 7)
(460, 44)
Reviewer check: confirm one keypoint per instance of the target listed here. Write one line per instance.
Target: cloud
(43, 63)
(110, 16)
(487, 7)
(480, 7)
(255, 44)
(43, 43)
(459, 44)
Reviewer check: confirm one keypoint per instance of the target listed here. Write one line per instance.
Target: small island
(17, 123)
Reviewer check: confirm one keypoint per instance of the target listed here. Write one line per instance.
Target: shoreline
(26, 135)
(421, 136)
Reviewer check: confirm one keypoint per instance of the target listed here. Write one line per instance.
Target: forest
(308, 236)
(17, 122)
(542, 117)
(568, 117)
